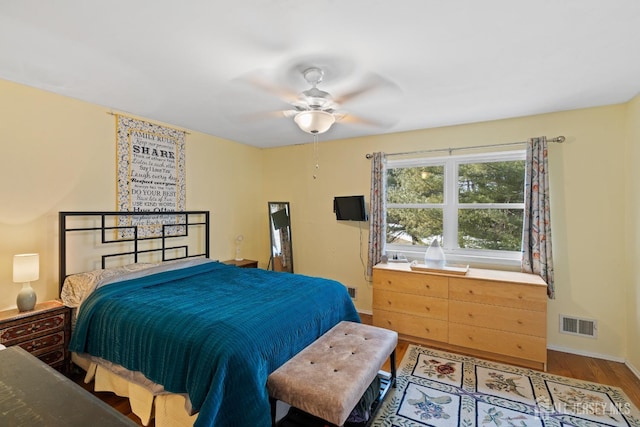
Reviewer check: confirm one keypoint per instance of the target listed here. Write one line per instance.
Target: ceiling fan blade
(257, 80)
(359, 120)
(265, 115)
(371, 82)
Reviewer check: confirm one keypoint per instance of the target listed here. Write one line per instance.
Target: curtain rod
(559, 139)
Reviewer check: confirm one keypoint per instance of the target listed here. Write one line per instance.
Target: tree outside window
(475, 203)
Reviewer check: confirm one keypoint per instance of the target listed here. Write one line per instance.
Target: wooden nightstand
(44, 332)
(245, 263)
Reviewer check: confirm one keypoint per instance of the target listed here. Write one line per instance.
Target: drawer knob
(389, 302)
(471, 315)
(427, 286)
(388, 282)
(427, 308)
(470, 291)
(389, 322)
(520, 296)
(470, 338)
(520, 322)
(427, 329)
(519, 346)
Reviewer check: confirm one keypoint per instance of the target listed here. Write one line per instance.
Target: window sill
(474, 261)
(486, 262)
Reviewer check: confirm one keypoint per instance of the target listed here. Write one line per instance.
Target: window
(474, 203)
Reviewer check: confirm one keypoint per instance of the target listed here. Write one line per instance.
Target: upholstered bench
(328, 377)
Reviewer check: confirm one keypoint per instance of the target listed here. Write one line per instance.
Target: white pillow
(77, 287)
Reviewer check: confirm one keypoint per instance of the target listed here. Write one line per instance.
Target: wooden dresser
(44, 332)
(499, 315)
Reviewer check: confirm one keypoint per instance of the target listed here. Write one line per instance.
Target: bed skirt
(147, 399)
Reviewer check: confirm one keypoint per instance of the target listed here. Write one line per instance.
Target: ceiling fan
(315, 110)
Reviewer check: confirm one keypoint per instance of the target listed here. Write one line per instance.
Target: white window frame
(450, 207)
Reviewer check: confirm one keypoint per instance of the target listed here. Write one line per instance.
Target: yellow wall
(633, 236)
(588, 210)
(59, 154)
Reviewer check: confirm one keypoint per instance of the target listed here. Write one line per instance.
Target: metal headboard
(128, 241)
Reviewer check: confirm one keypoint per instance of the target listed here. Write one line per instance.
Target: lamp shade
(314, 121)
(26, 268)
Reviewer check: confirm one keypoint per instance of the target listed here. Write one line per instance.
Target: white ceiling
(195, 63)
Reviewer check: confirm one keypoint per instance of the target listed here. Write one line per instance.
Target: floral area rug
(442, 389)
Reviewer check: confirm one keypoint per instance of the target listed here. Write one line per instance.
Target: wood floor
(565, 364)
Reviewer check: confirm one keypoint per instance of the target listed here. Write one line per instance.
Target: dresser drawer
(528, 297)
(408, 324)
(502, 318)
(53, 356)
(521, 346)
(434, 308)
(411, 283)
(43, 344)
(17, 333)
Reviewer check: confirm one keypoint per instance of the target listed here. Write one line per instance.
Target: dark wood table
(34, 394)
(242, 263)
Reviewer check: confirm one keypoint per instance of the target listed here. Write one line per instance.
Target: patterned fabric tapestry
(151, 172)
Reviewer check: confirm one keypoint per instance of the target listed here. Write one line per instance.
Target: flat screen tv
(280, 219)
(349, 208)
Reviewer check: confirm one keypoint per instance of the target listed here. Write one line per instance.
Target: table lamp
(26, 268)
(239, 240)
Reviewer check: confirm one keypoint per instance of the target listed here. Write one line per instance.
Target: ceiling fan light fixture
(314, 121)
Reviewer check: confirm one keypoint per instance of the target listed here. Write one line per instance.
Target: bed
(187, 326)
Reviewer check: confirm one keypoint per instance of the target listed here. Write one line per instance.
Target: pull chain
(315, 155)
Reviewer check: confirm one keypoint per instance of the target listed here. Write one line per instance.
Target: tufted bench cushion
(328, 377)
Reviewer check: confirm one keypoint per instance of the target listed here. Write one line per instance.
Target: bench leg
(273, 403)
(393, 367)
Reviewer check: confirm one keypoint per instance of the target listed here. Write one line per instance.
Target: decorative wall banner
(151, 171)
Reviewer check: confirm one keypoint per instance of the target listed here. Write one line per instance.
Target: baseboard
(633, 369)
(586, 353)
(628, 364)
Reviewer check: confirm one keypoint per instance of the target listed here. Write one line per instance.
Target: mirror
(280, 230)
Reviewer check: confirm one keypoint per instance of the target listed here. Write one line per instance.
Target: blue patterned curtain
(537, 256)
(376, 212)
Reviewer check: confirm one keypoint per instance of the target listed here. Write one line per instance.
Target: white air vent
(578, 326)
(352, 292)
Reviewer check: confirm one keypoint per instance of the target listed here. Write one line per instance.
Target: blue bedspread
(213, 331)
